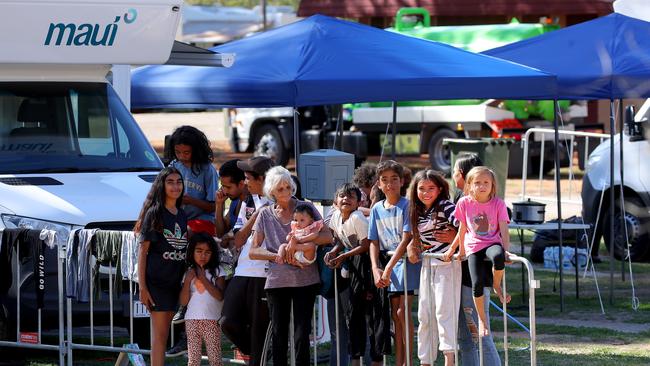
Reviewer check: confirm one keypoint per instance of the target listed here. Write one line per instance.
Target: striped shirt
(439, 217)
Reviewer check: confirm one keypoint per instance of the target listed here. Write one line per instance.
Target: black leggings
(280, 310)
(476, 263)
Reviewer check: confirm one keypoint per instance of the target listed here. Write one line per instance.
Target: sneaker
(179, 317)
(180, 348)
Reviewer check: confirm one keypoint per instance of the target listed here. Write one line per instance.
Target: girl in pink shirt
(484, 234)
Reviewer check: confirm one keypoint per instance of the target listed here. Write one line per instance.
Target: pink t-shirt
(482, 221)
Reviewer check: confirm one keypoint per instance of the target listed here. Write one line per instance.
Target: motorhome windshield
(63, 127)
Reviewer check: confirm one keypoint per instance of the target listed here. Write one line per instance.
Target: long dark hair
(213, 263)
(417, 208)
(192, 136)
(151, 214)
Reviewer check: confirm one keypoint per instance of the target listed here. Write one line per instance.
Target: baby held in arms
(304, 230)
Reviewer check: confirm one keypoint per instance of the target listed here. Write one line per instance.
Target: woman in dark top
(287, 280)
(162, 230)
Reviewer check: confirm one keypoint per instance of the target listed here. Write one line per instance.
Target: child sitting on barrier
(390, 230)
(202, 293)
(304, 230)
(483, 234)
(433, 228)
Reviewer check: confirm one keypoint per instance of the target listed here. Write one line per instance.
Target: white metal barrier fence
(65, 343)
(533, 284)
(66, 346)
(60, 346)
(569, 137)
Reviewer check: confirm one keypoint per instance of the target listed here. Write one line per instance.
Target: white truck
(71, 154)
(423, 125)
(636, 188)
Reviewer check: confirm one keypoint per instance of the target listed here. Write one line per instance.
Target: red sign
(29, 337)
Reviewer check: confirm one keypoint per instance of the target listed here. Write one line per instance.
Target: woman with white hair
(288, 281)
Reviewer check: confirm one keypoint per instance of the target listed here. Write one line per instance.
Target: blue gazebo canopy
(322, 60)
(605, 58)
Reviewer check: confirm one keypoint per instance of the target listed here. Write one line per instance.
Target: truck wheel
(268, 142)
(636, 218)
(439, 154)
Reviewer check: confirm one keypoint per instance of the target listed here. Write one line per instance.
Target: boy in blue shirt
(390, 231)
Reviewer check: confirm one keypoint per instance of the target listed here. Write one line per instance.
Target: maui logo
(87, 34)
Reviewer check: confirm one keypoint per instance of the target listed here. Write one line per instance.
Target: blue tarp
(605, 58)
(322, 60)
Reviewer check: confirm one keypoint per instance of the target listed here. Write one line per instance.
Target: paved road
(156, 125)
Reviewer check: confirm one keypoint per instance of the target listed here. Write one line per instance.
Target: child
(233, 187)
(350, 227)
(304, 230)
(468, 318)
(365, 177)
(202, 293)
(390, 230)
(464, 163)
(194, 161)
(484, 234)
(432, 214)
(162, 230)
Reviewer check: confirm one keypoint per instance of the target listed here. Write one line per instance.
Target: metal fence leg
(426, 261)
(69, 321)
(407, 315)
(60, 258)
(456, 307)
(110, 300)
(92, 318)
(17, 293)
(292, 343)
(336, 318)
(505, 318)
(314, 330)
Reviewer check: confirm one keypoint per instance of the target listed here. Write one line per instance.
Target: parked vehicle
(636, 189)
(71, 154)
(422, 125)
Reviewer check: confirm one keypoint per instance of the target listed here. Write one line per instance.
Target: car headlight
(62, 230)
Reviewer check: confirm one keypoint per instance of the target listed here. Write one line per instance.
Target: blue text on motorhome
(87, 34)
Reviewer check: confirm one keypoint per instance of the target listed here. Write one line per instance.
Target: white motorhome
(71, 154)
(635, 187)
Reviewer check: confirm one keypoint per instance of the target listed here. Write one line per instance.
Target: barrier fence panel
(66, 347)
(533, 284)
(569, 137)
(26, 339)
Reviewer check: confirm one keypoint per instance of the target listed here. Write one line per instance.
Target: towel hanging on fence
(129, 256)
(31, 244)
(107, 247)
(78, 264)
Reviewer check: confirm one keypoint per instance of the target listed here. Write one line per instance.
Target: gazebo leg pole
(559, 195)
(612, 133)
(296, 138)
(393, 144)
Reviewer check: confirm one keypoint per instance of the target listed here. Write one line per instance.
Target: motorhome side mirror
(168, 153)
(634, 129)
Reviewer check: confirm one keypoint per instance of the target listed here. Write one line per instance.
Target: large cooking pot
(528, 212)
